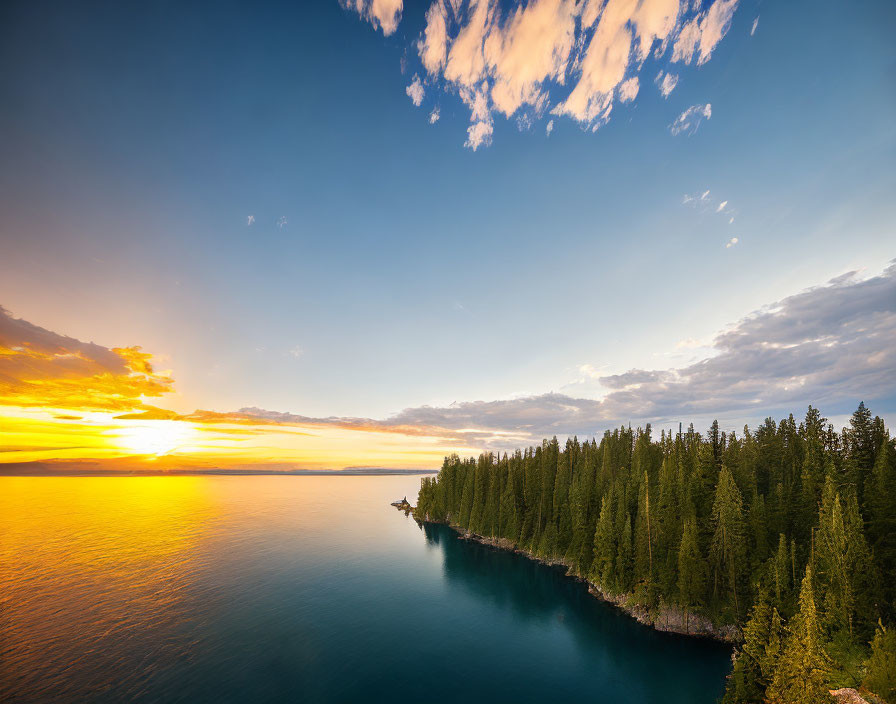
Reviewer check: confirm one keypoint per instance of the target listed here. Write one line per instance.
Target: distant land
(77, 469)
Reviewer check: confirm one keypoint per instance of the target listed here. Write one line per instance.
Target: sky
(368, 233)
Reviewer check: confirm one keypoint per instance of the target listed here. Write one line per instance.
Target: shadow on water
(642, 663)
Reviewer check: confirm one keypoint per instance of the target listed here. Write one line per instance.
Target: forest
(786, 532)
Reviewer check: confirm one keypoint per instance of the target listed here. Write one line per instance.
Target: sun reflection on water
(78, 561)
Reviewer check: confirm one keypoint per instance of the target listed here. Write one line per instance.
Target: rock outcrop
(847, 696)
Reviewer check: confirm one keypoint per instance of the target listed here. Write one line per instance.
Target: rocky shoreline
(668, 619)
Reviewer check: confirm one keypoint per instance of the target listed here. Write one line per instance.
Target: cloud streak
(552, 57)
(666, 82)
(690, 120)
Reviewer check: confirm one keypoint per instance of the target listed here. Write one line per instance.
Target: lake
(302, 588)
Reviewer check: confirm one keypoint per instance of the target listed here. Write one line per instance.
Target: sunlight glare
(157, 437)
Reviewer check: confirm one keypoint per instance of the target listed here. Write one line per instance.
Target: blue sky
(409, 269)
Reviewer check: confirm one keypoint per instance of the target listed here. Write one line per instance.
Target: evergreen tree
(726, 552)
(604, 545)
(691, 571)
(781, 569)
(755, 659)
(802, 668)
(880, 669)
(862, 448)
(624, 566)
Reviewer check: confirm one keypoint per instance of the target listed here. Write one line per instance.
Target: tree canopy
(786, 529)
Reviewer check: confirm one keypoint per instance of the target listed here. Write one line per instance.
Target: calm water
(312, 589)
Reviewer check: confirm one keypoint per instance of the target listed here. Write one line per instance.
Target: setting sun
(155, 437)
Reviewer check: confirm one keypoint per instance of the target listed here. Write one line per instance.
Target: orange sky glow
(65, 401)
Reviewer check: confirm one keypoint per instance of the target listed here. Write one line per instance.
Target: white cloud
(690, 120)
(434, 115)
(628, 90)
(382, 14)
(700, 35)
(666, 82)
(296, 352)
(721, 206)
(731, 221)
(755, 25)
(415, 91)
(625, 31)
(250, 220)
(281, 222)
(562, 57)
(433, 45)
(479, 134)
(549, 128)
(733, 241)
(829, 345)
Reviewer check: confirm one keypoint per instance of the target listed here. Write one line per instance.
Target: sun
(154, 437)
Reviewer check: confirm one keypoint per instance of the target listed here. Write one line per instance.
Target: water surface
(312, 589)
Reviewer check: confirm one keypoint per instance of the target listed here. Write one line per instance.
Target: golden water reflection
(78, 559)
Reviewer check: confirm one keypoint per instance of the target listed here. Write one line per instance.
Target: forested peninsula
(782, 539)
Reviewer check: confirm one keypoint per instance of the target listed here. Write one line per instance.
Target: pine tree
(624, 565)
(726, 552)
(863, 449)
(882, 519)
(755, 660)
(802, 668)
(880, 669)
(781, 568)
(691, 571)
(843, 562)
(604, 546)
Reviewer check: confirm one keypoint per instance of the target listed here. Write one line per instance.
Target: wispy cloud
(250, 220)
(666, 82)
(730, 243)
(282, 222)
(549, 128)
(697, 199)
(297, 352)
(556, 57)
(415, 91)
(689, 121)
(755, 25)
(628, 89)
(434, 115)
(705, 202)
(382, 14)
(700, 35)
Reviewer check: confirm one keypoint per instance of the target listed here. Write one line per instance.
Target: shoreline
(666, 619)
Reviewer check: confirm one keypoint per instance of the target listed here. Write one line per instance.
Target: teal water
(308, 589)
